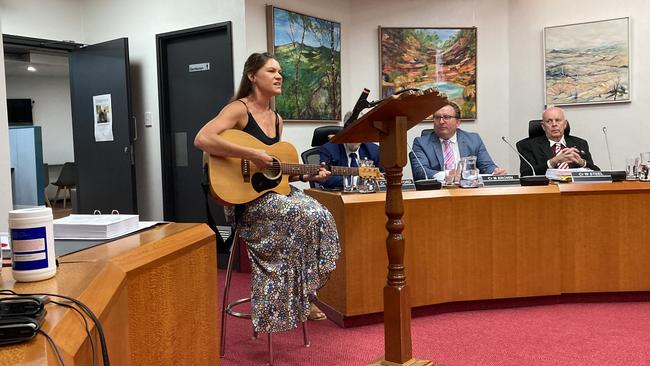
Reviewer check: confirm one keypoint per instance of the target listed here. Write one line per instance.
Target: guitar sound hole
(273, 172)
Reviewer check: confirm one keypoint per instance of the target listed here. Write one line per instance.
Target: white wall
(51, 96)
(5, 163)
(627, 124)
(52, 19)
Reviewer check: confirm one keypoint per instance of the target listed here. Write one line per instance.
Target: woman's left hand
(323, 174)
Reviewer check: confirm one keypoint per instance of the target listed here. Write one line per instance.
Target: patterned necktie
(448, 153)
(353, 160)
(556, 150)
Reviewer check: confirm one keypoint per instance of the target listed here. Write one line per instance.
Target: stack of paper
(94, 226)
(563, 175)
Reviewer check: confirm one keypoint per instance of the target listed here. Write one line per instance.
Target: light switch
(147, 119)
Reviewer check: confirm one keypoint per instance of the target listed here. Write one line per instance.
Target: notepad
(94, 226)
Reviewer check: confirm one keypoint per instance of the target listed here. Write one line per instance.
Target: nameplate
(590, 177)
(500, 180)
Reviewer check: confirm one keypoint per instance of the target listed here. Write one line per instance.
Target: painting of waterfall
(309, 52)
(439, 58)
(587, 63)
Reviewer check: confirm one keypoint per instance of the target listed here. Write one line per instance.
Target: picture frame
(440, 58)
(309, 52)
(587, 63)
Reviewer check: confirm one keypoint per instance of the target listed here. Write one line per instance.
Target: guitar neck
(312, 169)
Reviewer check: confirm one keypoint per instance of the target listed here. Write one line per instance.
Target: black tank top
(253, 129)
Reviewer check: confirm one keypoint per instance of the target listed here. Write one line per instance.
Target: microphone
(362, 103)
(609, 152)
(617, 175)
(424, 184)
(531, 180)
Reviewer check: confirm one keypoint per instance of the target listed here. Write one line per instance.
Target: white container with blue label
(32, 244)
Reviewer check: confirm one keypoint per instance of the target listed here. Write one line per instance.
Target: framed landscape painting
(309, 52)
(587, 63)
(439, 58)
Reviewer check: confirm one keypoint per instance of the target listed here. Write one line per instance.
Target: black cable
(54, 346)
(86, 309)
(90, 337)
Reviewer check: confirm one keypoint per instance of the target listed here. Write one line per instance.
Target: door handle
(135, 129)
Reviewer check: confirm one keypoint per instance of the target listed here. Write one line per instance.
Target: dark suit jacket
(538, 150)
(334, 154)
(429, 154)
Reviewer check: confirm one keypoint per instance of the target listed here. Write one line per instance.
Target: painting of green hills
(309, 52)
(587, 63)
(439, 58)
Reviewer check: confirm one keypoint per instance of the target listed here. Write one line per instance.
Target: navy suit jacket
(538, 151)
(429, 152)
(334, 154)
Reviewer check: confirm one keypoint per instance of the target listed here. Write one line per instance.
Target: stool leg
(270, 348)
(305, 335)
(231, 259)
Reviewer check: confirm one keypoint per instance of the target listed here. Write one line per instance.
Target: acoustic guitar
(235, 181)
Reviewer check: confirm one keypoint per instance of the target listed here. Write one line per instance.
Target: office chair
(311, 156)
(322, 134)
(67, 180)
(535, 128)
(426, 131)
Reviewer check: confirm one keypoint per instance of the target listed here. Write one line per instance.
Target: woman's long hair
(254, 62)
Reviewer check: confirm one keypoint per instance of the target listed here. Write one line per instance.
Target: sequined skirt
(293, 246)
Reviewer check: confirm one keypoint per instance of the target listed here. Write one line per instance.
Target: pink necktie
(556, 150)
(448, 153)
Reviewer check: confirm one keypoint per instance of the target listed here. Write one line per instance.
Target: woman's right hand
(261, 159)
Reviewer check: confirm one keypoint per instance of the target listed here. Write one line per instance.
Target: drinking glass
(349, 183)
(469, 175)
(631, 165)
(366, 185)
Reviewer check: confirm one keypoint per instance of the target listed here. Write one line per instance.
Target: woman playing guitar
(292, 239)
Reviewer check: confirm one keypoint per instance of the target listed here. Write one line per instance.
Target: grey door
(105, 169)
(195, 79)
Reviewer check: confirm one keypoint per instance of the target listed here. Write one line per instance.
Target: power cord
(54, 346)
(90, 337)
(84, 307)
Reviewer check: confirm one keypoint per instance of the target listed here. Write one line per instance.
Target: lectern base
(411, 362)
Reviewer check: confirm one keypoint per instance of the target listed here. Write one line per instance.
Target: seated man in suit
(348, 154)
(554, 149)
(442, 149)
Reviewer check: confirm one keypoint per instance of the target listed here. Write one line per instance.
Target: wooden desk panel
(493, 243)
(605, 229)
(459, 246)
(155, 293)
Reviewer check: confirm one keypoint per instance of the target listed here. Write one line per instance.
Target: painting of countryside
(587, 63)
(309, 52)
(439, 58)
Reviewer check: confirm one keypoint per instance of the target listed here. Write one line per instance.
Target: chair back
(322, 134)
(68, 176)
(311, 156)
(535, 128)
(426, 131)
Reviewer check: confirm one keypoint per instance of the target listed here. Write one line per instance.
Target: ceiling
(45, 64)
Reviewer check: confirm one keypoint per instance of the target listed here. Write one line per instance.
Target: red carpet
(565, 334)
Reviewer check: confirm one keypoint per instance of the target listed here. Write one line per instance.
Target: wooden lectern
(387, 124)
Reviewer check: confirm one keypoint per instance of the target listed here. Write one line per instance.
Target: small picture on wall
(309, 52)
(422, 58)
(587, 63)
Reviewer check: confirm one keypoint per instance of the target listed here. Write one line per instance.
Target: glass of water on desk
(349, 183)
(469, 175)
(631, 166)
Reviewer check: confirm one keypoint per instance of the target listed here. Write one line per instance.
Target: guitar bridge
(246, 170)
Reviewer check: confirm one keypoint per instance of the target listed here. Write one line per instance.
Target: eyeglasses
(551, 121)
(444, 118)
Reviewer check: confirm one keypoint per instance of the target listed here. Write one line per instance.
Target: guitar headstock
(368, 172)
